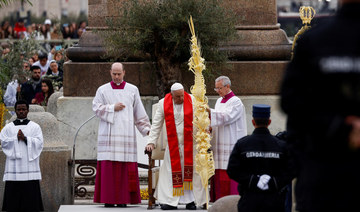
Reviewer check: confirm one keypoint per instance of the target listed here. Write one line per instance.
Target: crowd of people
(45, 77)
(48, 60)
(22, 140)
(42, 31)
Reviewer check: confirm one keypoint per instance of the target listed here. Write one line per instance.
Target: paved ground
(88, 206)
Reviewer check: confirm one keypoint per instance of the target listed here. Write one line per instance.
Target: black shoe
(204, 206)
(191, 206)
(168, 207)
(121, 205)
(109, 205)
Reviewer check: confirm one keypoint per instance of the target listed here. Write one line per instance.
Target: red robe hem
(117, 183)
(222, 185)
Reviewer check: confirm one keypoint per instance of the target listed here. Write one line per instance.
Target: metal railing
(86, 169)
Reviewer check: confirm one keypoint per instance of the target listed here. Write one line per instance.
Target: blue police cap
(261, 111)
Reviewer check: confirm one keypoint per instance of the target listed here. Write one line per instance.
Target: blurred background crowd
(42, 31)
(34, 36)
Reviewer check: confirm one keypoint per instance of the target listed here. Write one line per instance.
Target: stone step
(89, 206)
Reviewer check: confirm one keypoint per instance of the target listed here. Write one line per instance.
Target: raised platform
(100, 207)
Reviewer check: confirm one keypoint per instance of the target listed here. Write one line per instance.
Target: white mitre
(177, 86)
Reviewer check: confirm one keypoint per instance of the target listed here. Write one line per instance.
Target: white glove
(263, 182)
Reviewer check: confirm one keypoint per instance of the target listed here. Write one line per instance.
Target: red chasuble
(178, 183)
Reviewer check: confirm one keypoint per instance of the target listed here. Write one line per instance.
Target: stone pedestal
(227, 203)
(259, 34)
(52, 103)
(248, 77)
(90, 46)
(56, 173)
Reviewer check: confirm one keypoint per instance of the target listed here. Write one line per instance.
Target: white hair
(225, 80)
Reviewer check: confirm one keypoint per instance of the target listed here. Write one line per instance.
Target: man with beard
(32, 86)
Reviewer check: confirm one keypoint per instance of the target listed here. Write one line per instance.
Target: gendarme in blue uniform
(256, 155)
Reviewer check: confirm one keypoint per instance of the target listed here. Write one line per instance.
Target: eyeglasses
(218, 89)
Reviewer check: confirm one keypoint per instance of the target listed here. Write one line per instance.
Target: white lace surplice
(116, 135)
(228, 121)
(22, 160)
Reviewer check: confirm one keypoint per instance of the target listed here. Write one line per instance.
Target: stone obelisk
(260, 36)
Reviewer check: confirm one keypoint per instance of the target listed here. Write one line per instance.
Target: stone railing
(65, 43)
(69, 42)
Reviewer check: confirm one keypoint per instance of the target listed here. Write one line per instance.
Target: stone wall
(74, 111)
(248, 77)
